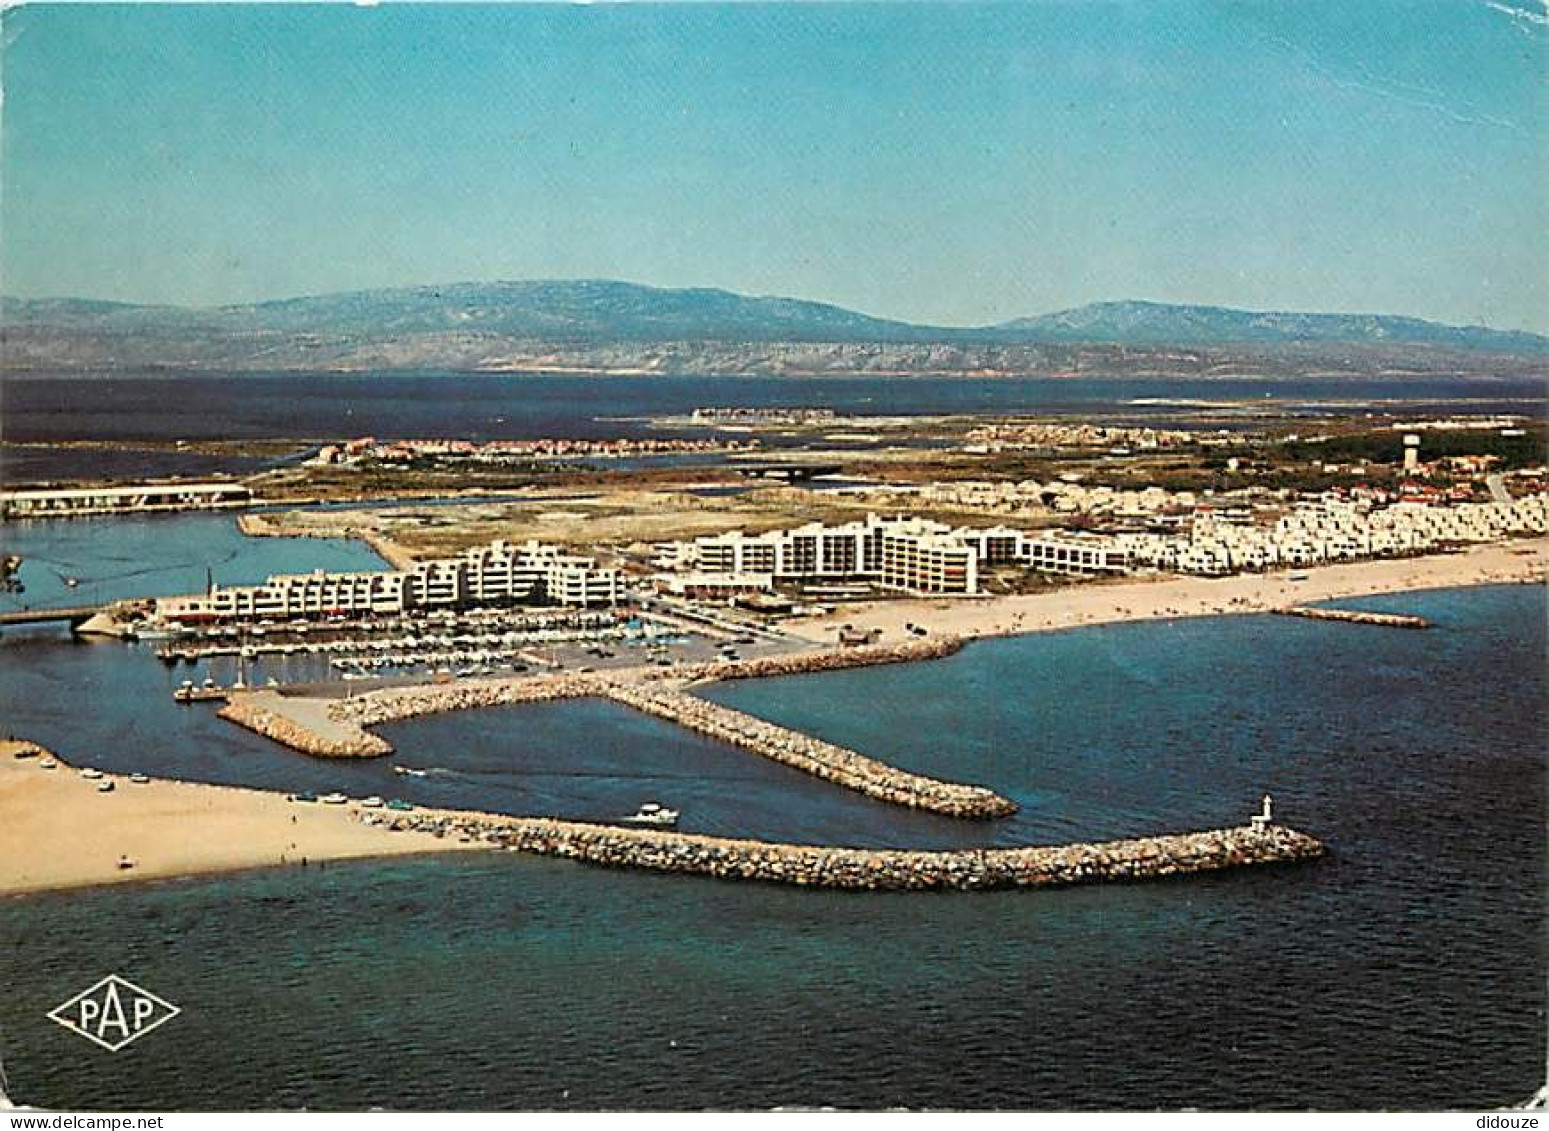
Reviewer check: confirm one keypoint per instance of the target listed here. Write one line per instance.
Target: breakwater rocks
(347, 743)
(1145, 858)
(341, 729)
(788, 747)
(397, 703)
(814, 756)
(1353, 616)
(826, 660)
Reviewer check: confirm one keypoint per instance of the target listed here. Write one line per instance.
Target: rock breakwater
(813, 755)
(1354, 616)
(823, 660)
(1144, 858)
(350, 742)
(343, 731)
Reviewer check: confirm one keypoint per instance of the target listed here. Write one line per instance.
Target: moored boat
(653, 815)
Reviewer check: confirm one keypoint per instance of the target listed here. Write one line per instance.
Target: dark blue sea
(1405, 971)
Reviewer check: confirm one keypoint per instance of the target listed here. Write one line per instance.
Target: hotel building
(496, 574)
(908, 554)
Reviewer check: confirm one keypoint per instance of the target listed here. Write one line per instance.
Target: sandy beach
(57, 831)
(1110, 602)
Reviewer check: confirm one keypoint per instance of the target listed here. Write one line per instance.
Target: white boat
(90, 774)
(408, 772)
(653, 815)
(368, 802)
(48, 764)
(333, 799)
(139, 779)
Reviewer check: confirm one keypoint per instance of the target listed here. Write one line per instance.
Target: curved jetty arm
(1146, 858)
(337, 728)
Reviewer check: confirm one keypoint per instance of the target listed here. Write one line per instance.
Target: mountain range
(608, 326)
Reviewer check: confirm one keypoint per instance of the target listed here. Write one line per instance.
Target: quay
(1144, 858)
(1354, 616)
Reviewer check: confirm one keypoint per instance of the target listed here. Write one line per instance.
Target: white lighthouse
(1411, 451)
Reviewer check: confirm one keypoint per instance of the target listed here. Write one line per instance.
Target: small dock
(1354, 616)
(190, 694)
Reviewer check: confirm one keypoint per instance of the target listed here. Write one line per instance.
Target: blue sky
(956, 164)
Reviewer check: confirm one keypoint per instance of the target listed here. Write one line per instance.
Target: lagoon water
(167, 406)
(1405, 971)
(157, 555)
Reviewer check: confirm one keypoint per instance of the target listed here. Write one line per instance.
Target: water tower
(1411, 452)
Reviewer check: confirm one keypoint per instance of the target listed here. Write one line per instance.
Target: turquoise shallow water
(1406, 971)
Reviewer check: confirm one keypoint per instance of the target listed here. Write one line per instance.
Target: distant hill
(600, 325)
(584, 309)
(1150, 323)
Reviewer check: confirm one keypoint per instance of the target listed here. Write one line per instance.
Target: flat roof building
(496, 574)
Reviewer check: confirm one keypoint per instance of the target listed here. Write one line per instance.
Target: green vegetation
(1387, 446)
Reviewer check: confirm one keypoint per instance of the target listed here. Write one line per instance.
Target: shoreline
(254, 524)
(1523, 561)
(62, 834)
(58, 833)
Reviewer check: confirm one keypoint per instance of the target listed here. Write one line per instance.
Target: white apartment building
(1076, 554)
(1334, 531)
(913, 555)
(498, 573)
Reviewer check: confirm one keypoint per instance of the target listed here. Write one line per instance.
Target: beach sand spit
(57, 831)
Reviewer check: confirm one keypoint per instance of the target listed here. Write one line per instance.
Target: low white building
(499, 573)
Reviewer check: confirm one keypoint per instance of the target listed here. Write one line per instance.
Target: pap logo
(114, 1012)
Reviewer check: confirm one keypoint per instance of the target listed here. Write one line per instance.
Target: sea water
(1406, 970)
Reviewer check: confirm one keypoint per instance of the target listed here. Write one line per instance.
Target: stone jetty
(814, 756)
(824, 660)
(1145, 858)
(273, 717)
(1355, 616)
(392, 704)
(341, 729)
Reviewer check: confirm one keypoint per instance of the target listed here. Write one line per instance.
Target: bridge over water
(790, 472)
(74, 614)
